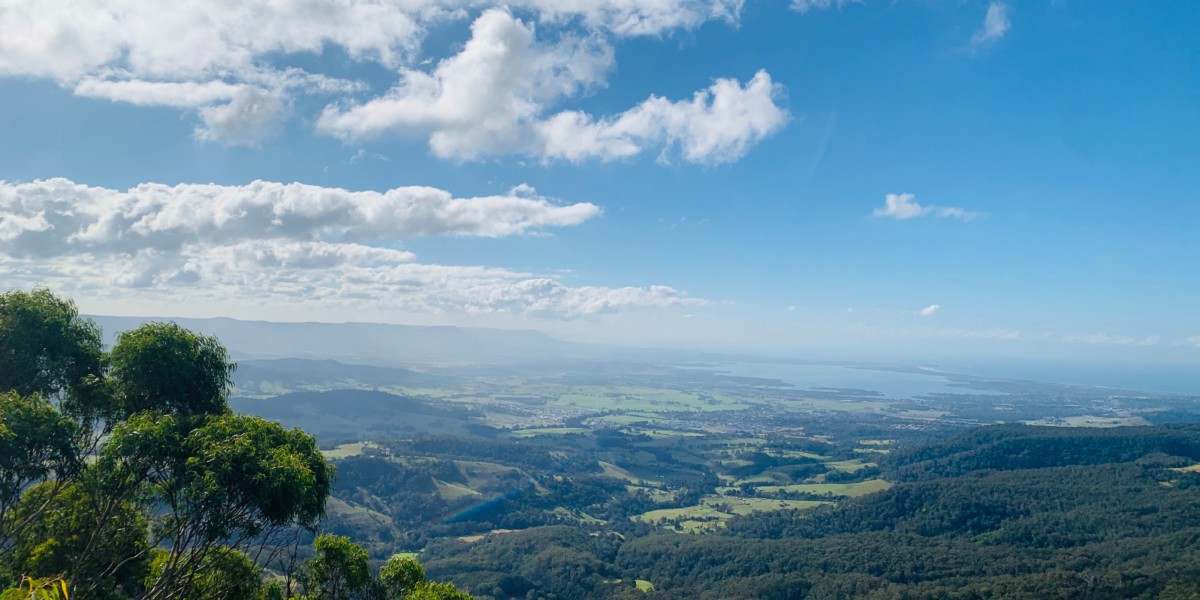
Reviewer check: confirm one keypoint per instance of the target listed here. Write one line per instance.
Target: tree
(45, 346)
(35, 442)
(178, 498)
(100, 547)
(163, 367)
(339, 570)
(226, 574)
(231, 481)
(400, 575)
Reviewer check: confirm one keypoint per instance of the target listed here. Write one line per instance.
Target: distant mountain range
(384, 344)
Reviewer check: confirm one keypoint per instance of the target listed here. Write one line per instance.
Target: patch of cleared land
(714, 510)
(475, 538)
(848, 466)
(349, 450)
(847, 490)
(453, 491)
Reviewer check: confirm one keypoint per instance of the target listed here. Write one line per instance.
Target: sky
(822, 178)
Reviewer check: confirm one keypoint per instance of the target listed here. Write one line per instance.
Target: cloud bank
(272, 242)
(218, 60)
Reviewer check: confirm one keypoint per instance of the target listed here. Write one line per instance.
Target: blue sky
(912, 178)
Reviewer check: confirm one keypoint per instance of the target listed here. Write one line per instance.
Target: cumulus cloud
(929, 310)
(271, 242)
(57, 216)
(995, 25)
(492, 98)
(719, 124)
(215, 57)
(905, 206)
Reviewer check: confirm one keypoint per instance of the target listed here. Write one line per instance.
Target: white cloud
(276, 244)
(719, 124)
(634, 17)
(929, 310)
(491, 98)
(178, 94)
(1194, 340)
(905, 206)
(215, 57)
(995, 25)
(57, 216)
(804, 6)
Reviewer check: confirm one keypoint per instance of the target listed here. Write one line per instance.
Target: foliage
(401, 574)
(79, 535)
(35, 441)
(31, 588)
(339, 570)
(166, 497)
(45, 346)
(163, 367)
(225, 574)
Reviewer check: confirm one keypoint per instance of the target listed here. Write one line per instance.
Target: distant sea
(900, 384)
(1170, 379)
(893, 384)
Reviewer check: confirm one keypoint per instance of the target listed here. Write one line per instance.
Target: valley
(451, 462)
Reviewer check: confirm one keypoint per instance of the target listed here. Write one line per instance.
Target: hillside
(1076, 523)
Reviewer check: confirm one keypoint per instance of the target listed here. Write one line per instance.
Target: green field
(848, 466)
(847, 490)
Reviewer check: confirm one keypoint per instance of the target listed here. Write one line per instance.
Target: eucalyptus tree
(126, 472)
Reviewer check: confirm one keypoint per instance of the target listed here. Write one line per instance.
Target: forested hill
(998, 512)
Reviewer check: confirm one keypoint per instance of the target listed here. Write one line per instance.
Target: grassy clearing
(697, 512)
(644, 585)
(453, 491)
(1190, 469)
(845, 490)
(357, 516)
(470, 539)
(712, 511)
(611, 470)
(768, 478)
(350, 450)
(848, 466)
(796, 454)
(655, 494)
(344, 451)
(1091, 421)
(745, 506)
